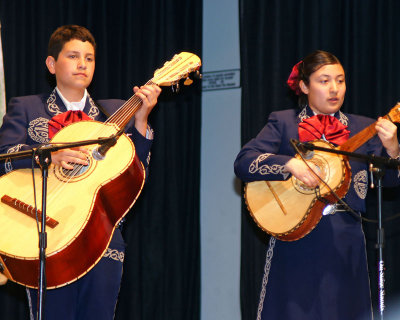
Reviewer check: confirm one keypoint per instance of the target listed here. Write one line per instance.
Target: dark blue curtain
(162, 266)
(275, 35)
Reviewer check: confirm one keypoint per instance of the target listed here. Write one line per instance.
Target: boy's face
(74, 67)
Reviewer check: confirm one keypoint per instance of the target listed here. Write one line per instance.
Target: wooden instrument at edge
(289, 210)
(84, 205)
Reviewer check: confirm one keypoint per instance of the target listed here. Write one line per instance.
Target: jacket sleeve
(142, 144)
(13, 136)
(260, 158)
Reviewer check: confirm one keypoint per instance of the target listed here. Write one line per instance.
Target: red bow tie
(63, 119)
(323, 126)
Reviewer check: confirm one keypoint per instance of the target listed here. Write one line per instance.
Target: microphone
(99, 153)
(300, 147)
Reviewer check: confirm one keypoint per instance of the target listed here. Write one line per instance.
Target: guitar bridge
(27, 210)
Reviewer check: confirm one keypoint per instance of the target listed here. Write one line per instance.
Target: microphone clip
(99, 153)
(302, 149)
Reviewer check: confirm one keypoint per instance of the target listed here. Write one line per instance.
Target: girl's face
(326, 89)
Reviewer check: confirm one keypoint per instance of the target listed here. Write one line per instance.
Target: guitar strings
(127, 110)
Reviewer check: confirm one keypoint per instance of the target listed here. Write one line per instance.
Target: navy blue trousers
(322, 276)
(94, 296)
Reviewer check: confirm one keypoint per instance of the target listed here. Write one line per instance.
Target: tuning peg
(188, 81)
(197, 74)
(175, 87)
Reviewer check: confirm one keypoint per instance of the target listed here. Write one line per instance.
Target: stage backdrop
(275, 35)
(162, 266)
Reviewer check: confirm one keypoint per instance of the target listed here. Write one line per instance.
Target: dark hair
(310, 64)
(66, 33)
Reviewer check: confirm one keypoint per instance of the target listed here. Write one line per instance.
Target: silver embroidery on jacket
(266, 169)
(114, 254)
(361, 183)
(93, 111)
(55, 109)
(303, 114)
(51, 103)
(8, 163)
(38, 130)
(343, 118)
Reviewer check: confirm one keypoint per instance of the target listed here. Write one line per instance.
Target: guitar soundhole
(76, 171)
(76, 174)
(322, 171)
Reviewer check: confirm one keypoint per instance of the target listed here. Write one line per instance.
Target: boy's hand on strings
(66, 157)
(149, 95)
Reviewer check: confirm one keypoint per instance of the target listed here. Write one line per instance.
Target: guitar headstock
(179, 67)
(394, 113)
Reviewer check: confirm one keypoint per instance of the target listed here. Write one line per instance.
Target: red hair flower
(293, 80)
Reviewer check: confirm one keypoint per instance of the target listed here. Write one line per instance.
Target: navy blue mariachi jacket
(26, 125)
(264, 157)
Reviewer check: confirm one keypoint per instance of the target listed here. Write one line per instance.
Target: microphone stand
(43, 154)
(378, 173)
(377, 165)
(44, 157)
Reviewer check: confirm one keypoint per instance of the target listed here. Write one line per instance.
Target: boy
(71, 58)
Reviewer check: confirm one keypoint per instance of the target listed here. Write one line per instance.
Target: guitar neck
(179, 67)
(360, 138)
(125, 113)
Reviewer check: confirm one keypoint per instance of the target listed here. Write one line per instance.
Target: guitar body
(289, 210)
(87, 207)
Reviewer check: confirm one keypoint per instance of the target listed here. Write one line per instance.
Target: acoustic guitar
(84, 205)
(289, 210)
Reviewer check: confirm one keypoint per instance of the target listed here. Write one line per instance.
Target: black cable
(34, 157)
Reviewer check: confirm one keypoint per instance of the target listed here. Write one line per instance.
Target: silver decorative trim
(28, 293)
(93, 111)
(303, 114)
(267, 268)
(8, 163)
(343, 118)
(114, 254)
(148, 158)
(55, 109)
(38, 130)
(361, 183)
(267, 169)
(51, 103)
(149, 133)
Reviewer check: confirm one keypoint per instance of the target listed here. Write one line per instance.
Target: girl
(324, 274)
